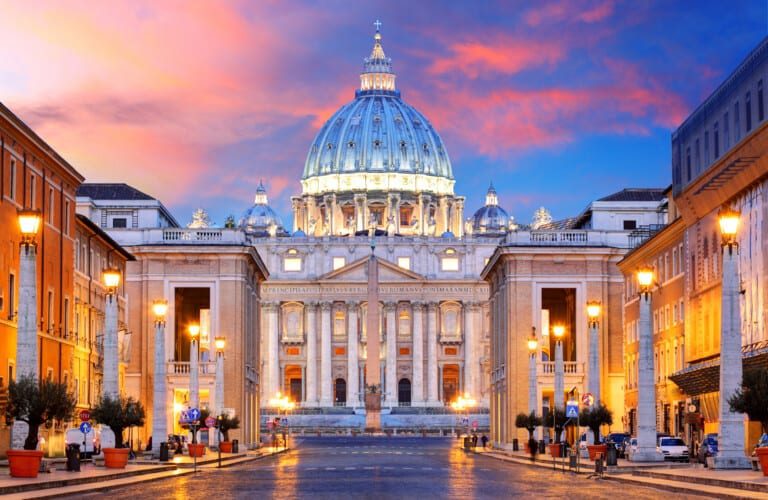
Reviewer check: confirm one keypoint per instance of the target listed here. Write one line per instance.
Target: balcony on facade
(574, 238)
(574, 372)
(178, 236)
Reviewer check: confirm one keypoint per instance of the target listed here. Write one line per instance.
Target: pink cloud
(586, 11)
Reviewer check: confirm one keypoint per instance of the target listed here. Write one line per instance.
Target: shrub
(38, 404)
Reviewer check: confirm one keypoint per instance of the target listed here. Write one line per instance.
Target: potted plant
(36, 404)
(594, 418)
(752, 398)
(556, 449)
(198, 449)
(226, 424)
(118, 413)
(529, 422)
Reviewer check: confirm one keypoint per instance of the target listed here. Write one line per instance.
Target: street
(365, 467)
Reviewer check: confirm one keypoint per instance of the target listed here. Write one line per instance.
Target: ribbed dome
(260, 219)
(377, 133)
(491, 218)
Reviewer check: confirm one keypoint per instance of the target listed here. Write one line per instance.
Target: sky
(557, 102)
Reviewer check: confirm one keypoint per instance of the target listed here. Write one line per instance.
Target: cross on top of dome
(491, 198)
(377, 71)
(261, 195)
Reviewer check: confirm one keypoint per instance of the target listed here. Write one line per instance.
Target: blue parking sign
(572, 409)
(193, 414)
(85, 427)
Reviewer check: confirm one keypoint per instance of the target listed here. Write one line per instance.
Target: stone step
(686, 487)
(704, 480)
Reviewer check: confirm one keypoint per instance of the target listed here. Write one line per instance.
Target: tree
(528, 421)
(752, 397)
(559, 422)
(227, 423)
(118, 413)
(594, 418)
(38, 404)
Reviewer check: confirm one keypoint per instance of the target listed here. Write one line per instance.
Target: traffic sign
(588, 399)
(85, 427)
(210, 422)
(85, 416)
(572, 409)
(193, 414)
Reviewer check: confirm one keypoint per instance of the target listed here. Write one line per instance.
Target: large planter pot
(554, 449)
(594, 449)
(762, 454)
(225, 446)
(196, 449)
(115, 458)
(24, 463)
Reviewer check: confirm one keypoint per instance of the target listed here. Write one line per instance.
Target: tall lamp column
(218, 396)
(533, 345)
(646, 389)
(26, 339)
(194, 369)
(159, 396)
(730, 452)
(593, 312)
(111, 279)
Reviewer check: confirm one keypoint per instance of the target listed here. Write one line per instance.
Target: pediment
(358, 271)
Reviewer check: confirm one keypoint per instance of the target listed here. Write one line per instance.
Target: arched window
(404, 392)
(340, 392)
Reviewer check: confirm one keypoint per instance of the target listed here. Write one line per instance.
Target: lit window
(292, 264)
(450, 251)
(404, 262)
(450, 263)
(339, 262)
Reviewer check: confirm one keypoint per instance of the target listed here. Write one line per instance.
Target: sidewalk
(676, 477)
(94, 477)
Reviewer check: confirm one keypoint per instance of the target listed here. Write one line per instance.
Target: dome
(377, 142)
(260, 219)
(491, 218)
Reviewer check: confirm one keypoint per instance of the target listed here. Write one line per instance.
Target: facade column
(26, 340)
(194, 373)
(311, 367)
(391, 370)
(273, 349)
(325, 355)
(432, 354)
(730, 445)
(559, 376)
(593, 375)
(646, 388)
(218, 395)
(417, 385)
(470, 359)
(111, 360)
(353, 390)
(159, 391)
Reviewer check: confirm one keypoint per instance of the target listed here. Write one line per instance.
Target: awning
(704, 377)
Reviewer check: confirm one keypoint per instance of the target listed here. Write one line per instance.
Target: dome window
(350, 144)
(402, 144)
(376, 143)
(426, 147)
(329, 146)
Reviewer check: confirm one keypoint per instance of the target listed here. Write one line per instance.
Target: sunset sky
(557, 102)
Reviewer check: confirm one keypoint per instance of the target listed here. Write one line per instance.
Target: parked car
(673, 448)
(629, 447)
(89, 444)
(708, 448)
(616, 439)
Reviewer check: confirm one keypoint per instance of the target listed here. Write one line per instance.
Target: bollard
(73, 457)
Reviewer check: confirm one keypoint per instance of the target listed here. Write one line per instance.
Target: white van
(89, 443)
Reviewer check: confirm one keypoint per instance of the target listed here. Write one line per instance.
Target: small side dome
(491, 219)
(299, 234)
(260, 219)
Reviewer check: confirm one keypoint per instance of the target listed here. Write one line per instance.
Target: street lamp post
(218, 397)
(26, 339)
(593, 312)
(283, 404)
(559, 331)
(111, 279)
(646, 389)
(730, 452)
(194, 359)
(533, 345)
(159, 400)
(462, 405)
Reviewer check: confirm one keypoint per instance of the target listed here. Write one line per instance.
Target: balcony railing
(183, 368)
(569, 367)
(579, 238)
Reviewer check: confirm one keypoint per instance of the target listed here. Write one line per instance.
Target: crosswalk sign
(572, 409)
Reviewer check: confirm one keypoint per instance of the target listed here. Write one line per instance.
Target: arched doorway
(450, 383)
(340, 392)
(293, 383)
(404, 392)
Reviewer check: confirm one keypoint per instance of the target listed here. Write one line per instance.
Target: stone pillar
(470, 360)
(593, 375)
(353, 390)
(326, 398)
(159, 391)
(417, 386)
(391, 370)
(559, 376)
(296, 206)
(218, 394)
(646, 388)
(111, 360)
(532, 384)
(311, 385)
(26, 340)
(273, 354)
(730, 444)
(194, 373)
(432, 354)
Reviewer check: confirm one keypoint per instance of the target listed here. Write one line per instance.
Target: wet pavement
(380, 467)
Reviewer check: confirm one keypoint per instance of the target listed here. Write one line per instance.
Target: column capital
(311, 305)
(431, 305)
(417, 305)
(390, 306)
(270, 305)
(352, 305)
(325, 305)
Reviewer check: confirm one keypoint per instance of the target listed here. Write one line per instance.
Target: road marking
(407, 468)
(426, 468)
(484, 469)
(369, 468)
(311, 468)
(350, 468)
(330, 468)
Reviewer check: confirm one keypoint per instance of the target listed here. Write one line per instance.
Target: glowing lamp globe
(532, 344)
(159, 308)
(593, 309)
(111, 278)
(645, 277)
(558, 331)
(729, 224)
(29, 223)
(194, 331)
(220, 342)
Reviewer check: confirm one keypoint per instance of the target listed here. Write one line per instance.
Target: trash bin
(611, 455)
(542, 446)
(73, 457)
(515, 445)
(467, 443)
(164, 451)
(235, 446)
